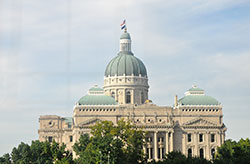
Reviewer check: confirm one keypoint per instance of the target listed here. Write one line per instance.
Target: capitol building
(193, 125)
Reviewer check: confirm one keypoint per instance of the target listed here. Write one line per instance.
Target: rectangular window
(160, 139)
(149, 139)
(163, 153)
(189, 137)
(151, 153)
(201, 137)
(50, 138)
(70, 138)
(212, 137)
(159, 153)
(69, 125)
(147, 152)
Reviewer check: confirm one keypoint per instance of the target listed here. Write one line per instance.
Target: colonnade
(159, 144)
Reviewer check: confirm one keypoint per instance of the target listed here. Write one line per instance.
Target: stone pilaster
(155, 145)
(167, 142)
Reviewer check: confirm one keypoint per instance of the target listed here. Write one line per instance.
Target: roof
(195, 89)
(68, 120)
(95, 88)
(97, 100)
(125, 64)
(125, 35)
(198, 100)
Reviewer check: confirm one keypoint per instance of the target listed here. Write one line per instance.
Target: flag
(123, 25)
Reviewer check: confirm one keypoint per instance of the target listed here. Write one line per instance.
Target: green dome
(198, 100)
(96, 96)
(196, 96)
(97, 100)
(96, 88)
(125, 63)
(125, 35)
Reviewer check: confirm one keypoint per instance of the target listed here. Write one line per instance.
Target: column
(145, 147)
(196, 143)
(116, 95)
(184, 143)
(223, 137)
(207, 152)
(149, 152)
(124, 96)
(218, 138)
(161, 153)
(166, 143)
(155, 145)
(132, 97)
(171, 141)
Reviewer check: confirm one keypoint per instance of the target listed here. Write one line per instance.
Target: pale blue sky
(52, 52)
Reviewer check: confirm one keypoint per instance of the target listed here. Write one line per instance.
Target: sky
(52, 52)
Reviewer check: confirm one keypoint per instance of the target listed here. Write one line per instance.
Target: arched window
(212, 153)
(128, 97)
(142, 98)
(201, 153)
(212, 137)
(113, 94)
(189, 152)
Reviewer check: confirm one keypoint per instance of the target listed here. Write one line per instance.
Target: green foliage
(117, 144)
(5, 159)
(38, 153)
(232, 152)
(178, 158)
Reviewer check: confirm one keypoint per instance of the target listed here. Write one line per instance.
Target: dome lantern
(125, 42)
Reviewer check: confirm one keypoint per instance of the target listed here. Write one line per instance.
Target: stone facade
(193, 125)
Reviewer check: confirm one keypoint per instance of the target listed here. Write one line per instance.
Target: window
(201, 153)
(189, 137)
(160, 139)
(159, 153)
(113, 94)
(189, 152)
(147, 152)
(163, 153)
(151, 152)
(50, 138)
(128, 97)
(69, 125)
(70, 138)
(212, 153)
(149, 139)
(201, 137)
(212, 137)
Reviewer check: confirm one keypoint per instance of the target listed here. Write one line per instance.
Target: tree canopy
(175, 157)
(232, 152)
(38, 153)
(121, 143)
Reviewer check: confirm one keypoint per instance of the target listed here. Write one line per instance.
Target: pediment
(199, 122)
(89, 122)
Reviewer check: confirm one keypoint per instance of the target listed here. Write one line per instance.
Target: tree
(38, 153)
(232, 152)
(121, 143)
(178, 158)
(5, 159)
